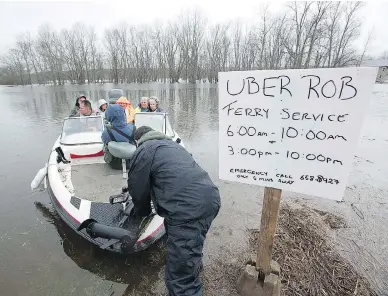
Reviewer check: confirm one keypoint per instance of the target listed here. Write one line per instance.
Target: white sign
(295, 130)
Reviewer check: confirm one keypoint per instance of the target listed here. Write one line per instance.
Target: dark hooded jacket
(159, 110)
(164, 171)
(117, 118)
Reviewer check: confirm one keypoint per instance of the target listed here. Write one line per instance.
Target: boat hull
(74, 210)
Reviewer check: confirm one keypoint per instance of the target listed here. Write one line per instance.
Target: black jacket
(165, 172)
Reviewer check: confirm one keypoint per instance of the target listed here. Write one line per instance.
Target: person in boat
(102, 105)
(119, 130)
(154, 105)
(143, 105)
(75, 111)
(86, 109)
(182, 192)
(128, 108)
(114, 95)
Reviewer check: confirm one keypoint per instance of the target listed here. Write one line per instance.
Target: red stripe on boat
(100, 153)
(153, 232)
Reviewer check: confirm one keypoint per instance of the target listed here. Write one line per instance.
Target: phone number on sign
(319, 179)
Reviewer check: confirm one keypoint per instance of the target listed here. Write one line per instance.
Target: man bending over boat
(163, 171)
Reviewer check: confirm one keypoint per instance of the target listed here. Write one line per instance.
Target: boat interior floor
(96, 182)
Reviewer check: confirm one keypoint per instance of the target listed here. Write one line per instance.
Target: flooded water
(40, 255)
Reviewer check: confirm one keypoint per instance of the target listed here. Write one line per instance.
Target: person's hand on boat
(134, 214)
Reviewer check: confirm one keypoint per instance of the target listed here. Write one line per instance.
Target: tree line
(304, 35)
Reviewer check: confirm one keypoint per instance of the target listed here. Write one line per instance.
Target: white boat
(83, 188)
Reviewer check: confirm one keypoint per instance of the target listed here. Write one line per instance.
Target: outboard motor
(95, 229)
(127, 238)
(114, 94)
(115, 233)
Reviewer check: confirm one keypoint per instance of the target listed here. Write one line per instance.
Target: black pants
(184, 259)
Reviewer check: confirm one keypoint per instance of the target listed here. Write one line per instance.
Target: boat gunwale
(139, 246)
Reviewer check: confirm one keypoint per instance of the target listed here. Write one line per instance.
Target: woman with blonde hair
(128, 108)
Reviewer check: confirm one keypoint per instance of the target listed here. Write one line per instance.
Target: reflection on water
(56, 102)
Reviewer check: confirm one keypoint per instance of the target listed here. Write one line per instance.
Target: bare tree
(112, 43)
(49, 48)
(365, 47)
(14, 65)
(160, 43)
(350, 31)
(173, 52)
(22, 48)
(275, 46)
(305, 35)
(236, 39)
(191, 40)
(217, 51)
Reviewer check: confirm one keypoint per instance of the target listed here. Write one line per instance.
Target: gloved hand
(133, 214)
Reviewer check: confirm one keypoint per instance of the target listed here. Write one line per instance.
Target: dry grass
(309, 265)
(221, 278)
(333, 221)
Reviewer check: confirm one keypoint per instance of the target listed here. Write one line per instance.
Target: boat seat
(122, 150)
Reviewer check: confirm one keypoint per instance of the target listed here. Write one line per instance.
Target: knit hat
(141, 131)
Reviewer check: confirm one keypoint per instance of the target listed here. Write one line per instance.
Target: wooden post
(269, 221)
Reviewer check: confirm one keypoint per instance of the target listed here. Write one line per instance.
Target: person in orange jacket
(128, 108)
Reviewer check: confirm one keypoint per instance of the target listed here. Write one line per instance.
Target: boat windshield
(82, 130)
(156, 121)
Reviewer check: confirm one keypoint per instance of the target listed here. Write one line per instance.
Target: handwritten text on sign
(292, 129)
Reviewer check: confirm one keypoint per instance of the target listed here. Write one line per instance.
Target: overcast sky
(19, 16)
